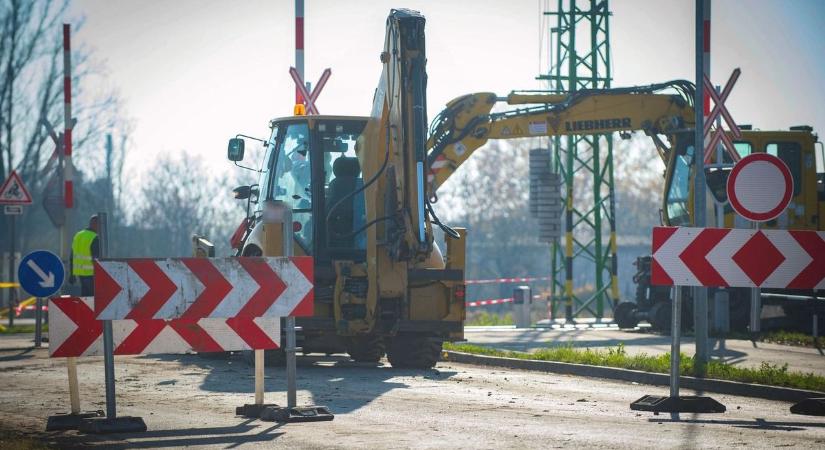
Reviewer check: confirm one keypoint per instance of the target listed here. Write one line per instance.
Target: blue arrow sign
(41, 273)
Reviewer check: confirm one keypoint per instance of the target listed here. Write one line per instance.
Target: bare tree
(31, 92)
(180, 198)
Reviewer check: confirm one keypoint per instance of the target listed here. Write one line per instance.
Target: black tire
(659, 316)
(368, 349)
(623, 315)
(414, 352)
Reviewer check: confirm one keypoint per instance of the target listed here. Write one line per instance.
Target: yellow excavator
(665, 113)
(361, 207)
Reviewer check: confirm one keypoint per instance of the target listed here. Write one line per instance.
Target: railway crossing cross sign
(310, 98)
(760, 187)
(719, 109)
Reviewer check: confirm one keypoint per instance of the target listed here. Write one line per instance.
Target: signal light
(299, 110)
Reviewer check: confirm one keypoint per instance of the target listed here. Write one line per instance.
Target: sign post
(13, 195)
(111, 423)
(701, 104)
(759, 189)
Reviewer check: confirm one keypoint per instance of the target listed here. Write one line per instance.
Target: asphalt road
(187, 400)
(733, 351)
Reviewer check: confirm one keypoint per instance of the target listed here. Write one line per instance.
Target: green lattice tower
(580, 59)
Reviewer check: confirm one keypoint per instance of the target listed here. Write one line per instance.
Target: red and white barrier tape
(494, 301)
(507, 280)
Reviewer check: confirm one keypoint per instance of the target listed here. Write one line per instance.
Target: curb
(777, 393)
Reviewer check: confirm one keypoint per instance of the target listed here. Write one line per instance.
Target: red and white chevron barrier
(197, 288)
(74, 331)
(792, 259)
(507, 280)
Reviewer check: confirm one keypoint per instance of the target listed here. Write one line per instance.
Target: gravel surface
(187, 400)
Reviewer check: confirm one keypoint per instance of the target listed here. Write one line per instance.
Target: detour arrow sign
(196, 288)
(792, 259)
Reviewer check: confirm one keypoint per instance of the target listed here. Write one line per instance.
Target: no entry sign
(760, 187)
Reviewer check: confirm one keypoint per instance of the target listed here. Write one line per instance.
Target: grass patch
(768, 374)
(793, 338)
(4, 329)
(485, 319)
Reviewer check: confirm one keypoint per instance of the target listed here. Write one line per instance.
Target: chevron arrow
(73, 328)
(74, 331)
(784, 259)
(195, 288)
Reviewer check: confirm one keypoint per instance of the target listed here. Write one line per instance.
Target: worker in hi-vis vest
(85, 247)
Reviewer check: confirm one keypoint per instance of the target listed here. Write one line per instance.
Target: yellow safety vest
(82, 253)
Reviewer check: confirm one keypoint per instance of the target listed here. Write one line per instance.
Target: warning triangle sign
(13, 191)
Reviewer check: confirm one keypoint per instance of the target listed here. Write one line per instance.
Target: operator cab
(796, 148)
(310, 164)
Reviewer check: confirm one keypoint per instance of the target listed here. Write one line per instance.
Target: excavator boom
(468, 122)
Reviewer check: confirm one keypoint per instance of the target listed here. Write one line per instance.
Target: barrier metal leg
(674, 403)
(38, 322)
(111, 423)
(292, 413)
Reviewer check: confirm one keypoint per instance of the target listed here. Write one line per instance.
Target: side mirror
(242, 192)
(235, 149)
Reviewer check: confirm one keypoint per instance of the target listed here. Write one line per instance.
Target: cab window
(344, 209)
(266, 173)
(679, 190)
(791, 154)
(292, 180)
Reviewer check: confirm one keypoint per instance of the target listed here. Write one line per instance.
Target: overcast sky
(195, 73)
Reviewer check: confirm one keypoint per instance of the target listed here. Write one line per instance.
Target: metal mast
(580, 59)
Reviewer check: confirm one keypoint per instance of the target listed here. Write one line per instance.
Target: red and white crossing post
(299, 47)
(67, 116)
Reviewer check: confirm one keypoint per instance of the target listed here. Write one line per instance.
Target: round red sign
(760, 187)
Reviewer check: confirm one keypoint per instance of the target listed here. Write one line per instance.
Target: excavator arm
(394, 154)
(468, 122)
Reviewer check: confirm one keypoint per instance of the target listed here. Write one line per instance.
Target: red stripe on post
(299, 33)
(706, 106)
(67, 89)
(67, 142)
(68, 186)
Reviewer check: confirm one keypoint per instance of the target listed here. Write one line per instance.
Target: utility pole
(702, 110)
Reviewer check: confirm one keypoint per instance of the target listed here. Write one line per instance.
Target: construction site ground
(188, 400)
(740, 352)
